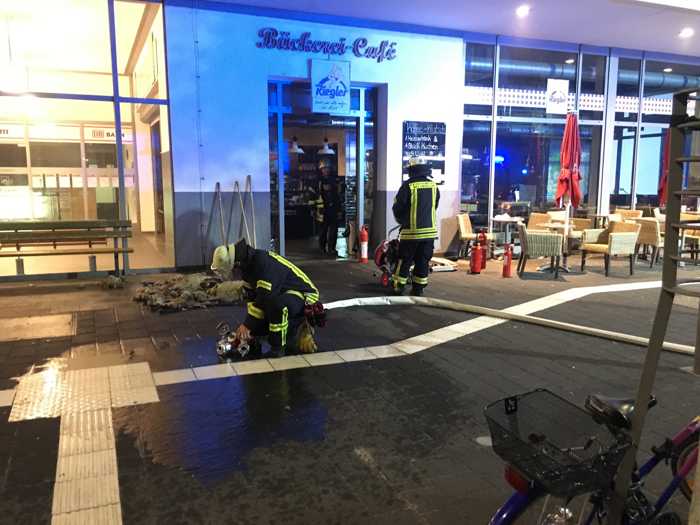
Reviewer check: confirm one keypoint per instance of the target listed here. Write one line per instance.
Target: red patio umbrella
(569, 175)
(665, 166)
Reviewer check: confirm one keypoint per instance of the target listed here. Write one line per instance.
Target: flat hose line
(509, 316)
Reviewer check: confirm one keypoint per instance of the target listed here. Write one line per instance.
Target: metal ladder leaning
(674, 255)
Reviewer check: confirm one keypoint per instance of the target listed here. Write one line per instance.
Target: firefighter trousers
(284, 314)
(417, 253)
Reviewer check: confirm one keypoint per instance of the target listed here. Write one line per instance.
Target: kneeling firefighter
(415, 210)
(281, 298)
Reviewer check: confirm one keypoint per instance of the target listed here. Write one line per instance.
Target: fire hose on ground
(508, 316)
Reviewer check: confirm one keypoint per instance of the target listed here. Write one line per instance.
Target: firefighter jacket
(269, 274)
(415, 209)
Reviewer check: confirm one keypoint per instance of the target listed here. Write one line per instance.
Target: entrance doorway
(316, 160)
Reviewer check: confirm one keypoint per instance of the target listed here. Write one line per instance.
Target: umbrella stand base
(549, 268)
(563, 267)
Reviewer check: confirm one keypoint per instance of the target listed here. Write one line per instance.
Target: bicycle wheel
(685, 449)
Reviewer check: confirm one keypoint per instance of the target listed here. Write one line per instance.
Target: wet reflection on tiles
(208, 428)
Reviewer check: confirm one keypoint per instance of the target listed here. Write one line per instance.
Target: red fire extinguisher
(364, 244)
(484, 251)
(507, 260)
(475, 259)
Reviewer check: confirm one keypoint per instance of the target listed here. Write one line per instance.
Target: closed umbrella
(569, 175)
(665, 166)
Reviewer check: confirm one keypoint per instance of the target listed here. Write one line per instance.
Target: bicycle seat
(616, 412)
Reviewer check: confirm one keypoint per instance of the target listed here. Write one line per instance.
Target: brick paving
(384, 441)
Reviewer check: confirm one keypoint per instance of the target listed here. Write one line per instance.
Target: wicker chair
(557, 215)
(536, 221)
(467, 235)
(629, 215)
(578, 225)
(618, 239)
(539, 244)
(650, 235)
(692, 237)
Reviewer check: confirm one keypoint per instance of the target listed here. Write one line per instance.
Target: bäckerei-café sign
(271, 38)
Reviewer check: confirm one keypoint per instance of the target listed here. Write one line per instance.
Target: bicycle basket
(554, 443)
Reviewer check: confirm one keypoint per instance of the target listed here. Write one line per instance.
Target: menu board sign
(424, 142)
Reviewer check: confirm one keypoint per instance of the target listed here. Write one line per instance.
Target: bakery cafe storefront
(139, 110)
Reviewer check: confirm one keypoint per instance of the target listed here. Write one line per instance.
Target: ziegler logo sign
(331, 87)
(271, 38)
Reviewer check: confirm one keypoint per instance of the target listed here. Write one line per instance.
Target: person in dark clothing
(278, 292)
(415, 209)
(328, 234)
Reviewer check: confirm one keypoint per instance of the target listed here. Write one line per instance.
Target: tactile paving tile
(86, 493)
(128, 382)
(107, 515)
(86, 401)
(86, 432)
(91, 465)
(39, 395)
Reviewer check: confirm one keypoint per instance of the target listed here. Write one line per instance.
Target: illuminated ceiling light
(295, 148)
(570, 60)
(668, 70)
(326, 149)
(686, 32)
(522, 11)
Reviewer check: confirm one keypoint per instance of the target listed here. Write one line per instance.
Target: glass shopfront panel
(58, 156)
(592, 96)
(627, 100)
(476, 140)
(525, 75)
(478, 79)
(623, 148)
(528, 163)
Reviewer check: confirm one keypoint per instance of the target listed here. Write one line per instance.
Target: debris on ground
(188, 292)
(113, 282)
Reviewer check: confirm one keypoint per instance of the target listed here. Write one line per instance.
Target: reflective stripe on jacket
(271, 274)
(415, 209)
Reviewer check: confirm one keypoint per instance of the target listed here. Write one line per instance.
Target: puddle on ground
(39, 327)
(209, 428)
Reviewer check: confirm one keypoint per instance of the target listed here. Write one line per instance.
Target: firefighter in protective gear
(415, 209)
(278, 293)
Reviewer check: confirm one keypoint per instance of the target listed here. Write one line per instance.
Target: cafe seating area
(633, 234)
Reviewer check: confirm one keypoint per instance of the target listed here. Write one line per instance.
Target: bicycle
(554, 449)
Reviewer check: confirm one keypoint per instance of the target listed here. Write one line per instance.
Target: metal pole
(637, 135)
(579, 70)
(118, 129)
(280, 169)
(606, 166)
(360, 164)
(492, 145)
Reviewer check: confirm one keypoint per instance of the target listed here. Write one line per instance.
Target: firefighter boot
(417, 291)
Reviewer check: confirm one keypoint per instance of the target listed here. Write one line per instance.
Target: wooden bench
(45, 238)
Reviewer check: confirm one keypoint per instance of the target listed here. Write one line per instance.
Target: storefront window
(476, 139)
(58, 156)
(661, 80)
(528, 163)
(60, 46)
(141, 49)
(649, 165)
(526, 74)
(623, 148)
(478, 79)
(592, 97)
(627, 100)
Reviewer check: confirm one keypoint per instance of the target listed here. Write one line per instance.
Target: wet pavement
(375, 441)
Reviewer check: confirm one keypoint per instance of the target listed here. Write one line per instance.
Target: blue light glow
(524, 171)
(499, 159)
